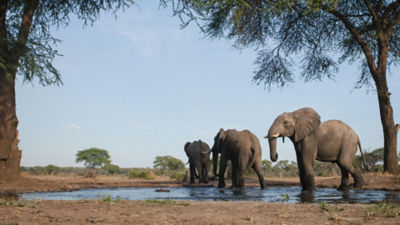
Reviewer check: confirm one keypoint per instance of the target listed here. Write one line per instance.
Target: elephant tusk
(276, 135)
(273, 136)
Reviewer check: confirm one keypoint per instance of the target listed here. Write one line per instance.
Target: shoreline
(26, 183)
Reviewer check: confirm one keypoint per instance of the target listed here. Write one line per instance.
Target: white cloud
(73, 127)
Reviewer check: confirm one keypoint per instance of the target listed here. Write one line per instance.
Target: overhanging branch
(25, 27)
(364, 46)
(3, 16)
(394, 51)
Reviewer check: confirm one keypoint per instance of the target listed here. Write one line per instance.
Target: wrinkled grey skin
(330, 141)
(243, 149)
(198, 153)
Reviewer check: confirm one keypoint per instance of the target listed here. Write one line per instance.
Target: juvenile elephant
(330, 141)
(198, 153)
(243, 149)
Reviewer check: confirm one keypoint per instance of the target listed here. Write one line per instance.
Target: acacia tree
(324, 33)
(93, 157)
(27, 49)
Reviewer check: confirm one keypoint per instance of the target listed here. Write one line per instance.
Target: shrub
(140, 174)
(109, 199)
(178, 175)
(112, 169)
(52, 169)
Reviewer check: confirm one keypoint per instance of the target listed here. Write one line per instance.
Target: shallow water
(271, 194)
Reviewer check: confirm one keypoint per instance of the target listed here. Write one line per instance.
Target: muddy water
(272, 194)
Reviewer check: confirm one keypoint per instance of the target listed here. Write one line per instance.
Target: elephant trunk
(215, 162)
(272, 149)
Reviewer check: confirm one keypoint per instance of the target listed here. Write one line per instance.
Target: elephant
(198, 153)
(330, 141)
(243, 149)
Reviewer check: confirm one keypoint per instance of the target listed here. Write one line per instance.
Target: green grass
(332, 213)
(13, 203)
(285, 198)
(324, 206)
(387, 209)
(109, 199)
(165, 202)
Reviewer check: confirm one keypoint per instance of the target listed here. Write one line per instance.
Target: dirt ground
(182, 212)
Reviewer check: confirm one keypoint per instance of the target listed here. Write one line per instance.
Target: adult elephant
(198, 153)
(243, 149)
(330, 141)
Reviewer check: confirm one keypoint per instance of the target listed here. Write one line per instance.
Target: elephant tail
(252, 159)
(362, 156)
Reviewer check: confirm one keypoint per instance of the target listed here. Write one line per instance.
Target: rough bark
(10, 155)
(385, 107)
(388, 125)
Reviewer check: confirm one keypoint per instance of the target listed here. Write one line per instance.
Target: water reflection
(306, 196)
(271, 194)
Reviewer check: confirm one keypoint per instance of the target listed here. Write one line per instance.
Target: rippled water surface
(272, 194)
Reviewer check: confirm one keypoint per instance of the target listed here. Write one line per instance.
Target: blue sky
(141, 87)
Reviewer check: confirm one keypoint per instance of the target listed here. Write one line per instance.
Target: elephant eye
(285, 123)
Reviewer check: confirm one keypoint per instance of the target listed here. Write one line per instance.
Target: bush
(140, 174)
(178, 175)
(166, 165)
(52, 169)
(112, 169)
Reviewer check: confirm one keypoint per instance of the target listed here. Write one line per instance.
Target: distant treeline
(175, 168)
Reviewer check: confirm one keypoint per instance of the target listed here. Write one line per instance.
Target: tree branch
(390, 9)
(374, 15)
(26, 23)
(3, 15)
(364, 46)
(394, 51)
(395, 21)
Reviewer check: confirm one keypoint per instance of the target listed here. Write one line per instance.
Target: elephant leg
(309, 184)
(346, 163)
(358, 179)
(205, 173)
(344, 185)
(258, 169)
(235, 173)
(301, 168)
(307, 162)
(221, 174)
(199, 171)
(243, 161)
(192, 172)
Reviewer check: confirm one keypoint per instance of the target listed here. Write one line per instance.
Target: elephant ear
(186, 147)
(217, 141)
(221, 134)
(307, 120)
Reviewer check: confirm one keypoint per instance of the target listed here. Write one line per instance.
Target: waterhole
(271, 194)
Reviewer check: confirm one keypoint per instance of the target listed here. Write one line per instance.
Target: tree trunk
(10, 155)
(388, 125)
